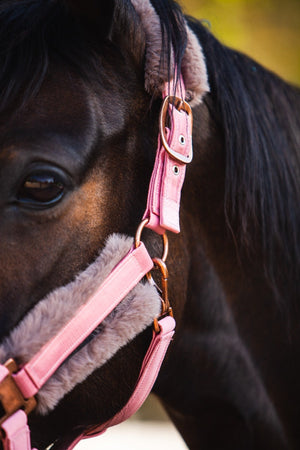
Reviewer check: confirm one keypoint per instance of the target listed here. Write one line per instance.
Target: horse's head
(78, 137)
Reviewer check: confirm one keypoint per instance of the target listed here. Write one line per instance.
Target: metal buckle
(11, 398)
(180, 105)
(166, 309)
(160, 264)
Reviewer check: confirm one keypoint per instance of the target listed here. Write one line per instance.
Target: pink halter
(18, 387)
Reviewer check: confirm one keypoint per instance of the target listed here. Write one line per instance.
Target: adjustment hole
(182, 139)
(176, 170)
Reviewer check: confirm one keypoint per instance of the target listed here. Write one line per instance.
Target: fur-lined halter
(193, 66)
(44, 321)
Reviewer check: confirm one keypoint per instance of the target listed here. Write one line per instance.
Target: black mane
(259, 115)
(256, 112)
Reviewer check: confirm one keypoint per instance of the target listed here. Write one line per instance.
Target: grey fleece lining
(193, 64)
(138, 309)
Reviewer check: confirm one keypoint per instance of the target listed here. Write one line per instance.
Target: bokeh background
(267, 30)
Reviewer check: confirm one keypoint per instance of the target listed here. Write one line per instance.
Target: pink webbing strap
(15, 429)
(149, 371)
(116, 286)
(17, 434)
(173, 153)
(148, 374)
(3, 372)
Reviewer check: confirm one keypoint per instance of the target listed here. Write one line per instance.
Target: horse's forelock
(33, 34)
(37, 34)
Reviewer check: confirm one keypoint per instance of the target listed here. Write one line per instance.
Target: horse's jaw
(129, 319)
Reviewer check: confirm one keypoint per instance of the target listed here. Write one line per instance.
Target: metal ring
(138, 235)
(166, 247)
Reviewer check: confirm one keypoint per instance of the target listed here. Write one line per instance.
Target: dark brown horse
(78, 136)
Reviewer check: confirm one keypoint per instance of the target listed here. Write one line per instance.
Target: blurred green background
(267, 30)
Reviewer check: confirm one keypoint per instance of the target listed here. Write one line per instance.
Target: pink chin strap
(19, 385)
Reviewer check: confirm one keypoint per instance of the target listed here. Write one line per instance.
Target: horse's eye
(41, 189)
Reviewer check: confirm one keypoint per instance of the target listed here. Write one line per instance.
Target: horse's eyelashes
(41, 189)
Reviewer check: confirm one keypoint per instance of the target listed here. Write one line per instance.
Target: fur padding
(193, 64)
(138, 309)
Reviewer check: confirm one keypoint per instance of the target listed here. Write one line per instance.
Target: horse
(78, 134)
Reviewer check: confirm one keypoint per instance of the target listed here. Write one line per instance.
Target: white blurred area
(136, 435)
(148, 429)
